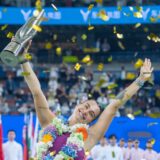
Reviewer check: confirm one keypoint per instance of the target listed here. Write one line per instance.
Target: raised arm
(44, 114)
(98, 130)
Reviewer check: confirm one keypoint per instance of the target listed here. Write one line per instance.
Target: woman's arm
(45, 116)
(98, 130)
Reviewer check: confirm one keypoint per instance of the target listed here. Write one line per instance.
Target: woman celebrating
(70, 141)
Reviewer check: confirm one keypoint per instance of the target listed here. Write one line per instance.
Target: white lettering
(26, 15)
(145, 13)
(85, 14)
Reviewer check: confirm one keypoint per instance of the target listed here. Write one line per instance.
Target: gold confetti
(10, 35)
(153, 19)
(86, 59)
(90, 28)
(37, 28)
(77, 67)
(138, 63)
(120, 44)
(38, 5)
(145, 29)
(112, 86)
(153, 141)
(27, 56)
(131, 8)
(119, 36)
(110, 59)
(90, 7)
(100, 66)
(103, 15)
(138, 14)
(58, 50)
(73, 39)
(137, 25)
(130, 76)
(84, 37)
(25, 73)
(4, 27)
(48, 45)
(119, 8)
(153, 37)
(114, 30)
(131, 116)
(54, 7)
(139, 9)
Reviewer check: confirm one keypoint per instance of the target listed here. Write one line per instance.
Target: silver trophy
(11, 53)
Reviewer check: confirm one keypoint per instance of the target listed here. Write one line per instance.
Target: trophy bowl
(9, 58)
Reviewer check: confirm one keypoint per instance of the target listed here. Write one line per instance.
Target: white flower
(59, 157)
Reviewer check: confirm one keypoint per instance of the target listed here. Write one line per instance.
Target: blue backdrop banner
(140, 128)
(82, 16)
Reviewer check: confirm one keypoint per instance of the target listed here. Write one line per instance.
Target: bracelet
(139, 82)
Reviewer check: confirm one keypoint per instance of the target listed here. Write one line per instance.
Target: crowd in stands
(129, 150)
(77, 3)
(64, 87)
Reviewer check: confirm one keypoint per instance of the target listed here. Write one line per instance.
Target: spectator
(137, 153)
(149, 153)
(128, 150)
(113, 151)
(99, 151)
(12, 149)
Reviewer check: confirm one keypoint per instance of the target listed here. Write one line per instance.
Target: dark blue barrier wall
(141, 128)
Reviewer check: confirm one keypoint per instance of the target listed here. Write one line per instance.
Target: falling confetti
(10, 35)
(86, 59)
(37, 28)
(83, 78)
(119, 36)
(138, 63)
(103, 15)
(100, 66)
(84, 37)
(25, 73)
(114, 30)
(110, 59)
(153, 19)
(112, 86)
(146, 29)
(99, 1)
(138, 14)
(4, 27)
(59, 51)
(119, 8)
(139, 9)
(90, 7)
(73, 39)
(153, 37)
(131, 116)
(90, 28)
(120, 44)
(38, 5)
(131, 8)
(153, 141)
(77, 67)
(137, 25)
(54, 7)
(48, 45)
(27, 56)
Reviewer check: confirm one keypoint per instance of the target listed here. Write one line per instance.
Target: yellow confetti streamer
(138, 14)
(84, 37)
(110, 59)
(90, 28)
(48, 45)
(100, 66)
(114, 30)
(137, 25)
(153, 141)
(37, 28)
(153, 19)
(38, 5)
(138, 63)
(103, 15)
(77, 66)
(153, 37)
(4, 27)
(145, 29)
(59, 51)
(139, 9)
(27, 56)
(120, 44)
(73, 39)
(119, 8)
(10, 35)
(131, 116)
(99, 1)
(25, 73)
(119, 36)
(112, 86)
(86, 59)
(90, 7)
